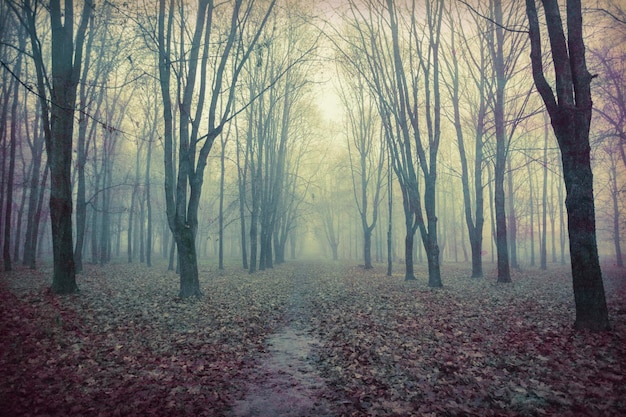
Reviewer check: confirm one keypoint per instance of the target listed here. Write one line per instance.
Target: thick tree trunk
(570, 115)
(60, 157)
(409, 271)
(172, 254)
(367, 248)
(189, 282)
(431, 244)
(572, 130)
(477, 262)
(504, 274)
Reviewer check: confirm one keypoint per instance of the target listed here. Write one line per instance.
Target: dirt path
(286, 382)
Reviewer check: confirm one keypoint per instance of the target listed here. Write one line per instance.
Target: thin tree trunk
(9, 193)
(149, 204)
(512, 218)
(504, 274)
(220, 255)
(390, 216)
(544, 199)
(242, 172)
(616, 216)
(531, 208)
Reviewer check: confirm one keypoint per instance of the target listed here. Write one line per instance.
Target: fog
(283, 134)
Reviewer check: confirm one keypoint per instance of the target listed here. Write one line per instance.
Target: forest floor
(307, 339)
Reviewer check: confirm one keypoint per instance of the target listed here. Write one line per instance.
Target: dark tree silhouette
(570, 115)
(58, 117)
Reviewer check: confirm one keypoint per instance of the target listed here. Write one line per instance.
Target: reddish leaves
(472, 348)
(126, 346)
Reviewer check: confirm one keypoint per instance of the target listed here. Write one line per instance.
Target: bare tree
(570, 116)
(57, 97)
(478, 65)
(366, 151)
(14, 92)
(234, 46)
(399, 57)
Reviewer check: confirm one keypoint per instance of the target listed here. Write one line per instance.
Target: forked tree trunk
(59, 126)
(570, 116)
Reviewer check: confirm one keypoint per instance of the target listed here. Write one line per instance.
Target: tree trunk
(512, 218)
(390, 217)
(172, 254)
(32, 218)
(367, 248)
(619, 261)
(570, 117)
(504, 274)
(531, 208)
(66, 63)
(142, 227)
(544, 199)
(189, 282)
(429, 237)
(572, 131)
(9, 194)
(409, 271)
(220, 242)
(60, 159)
(242, 175)
(5, 90)
(149, 206)
(81, 159)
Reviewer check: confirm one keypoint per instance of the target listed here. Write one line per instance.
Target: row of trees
(438, 105)
(397, 51)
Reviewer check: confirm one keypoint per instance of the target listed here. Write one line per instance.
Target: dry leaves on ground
(125, 345)
(473, 348)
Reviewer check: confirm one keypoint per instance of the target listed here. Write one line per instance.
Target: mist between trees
(269, 130)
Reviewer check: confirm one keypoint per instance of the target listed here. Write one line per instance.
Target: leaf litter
(315, 338)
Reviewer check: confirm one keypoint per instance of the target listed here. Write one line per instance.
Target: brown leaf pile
(126, 346)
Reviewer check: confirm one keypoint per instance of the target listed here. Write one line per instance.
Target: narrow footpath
(286, 383)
